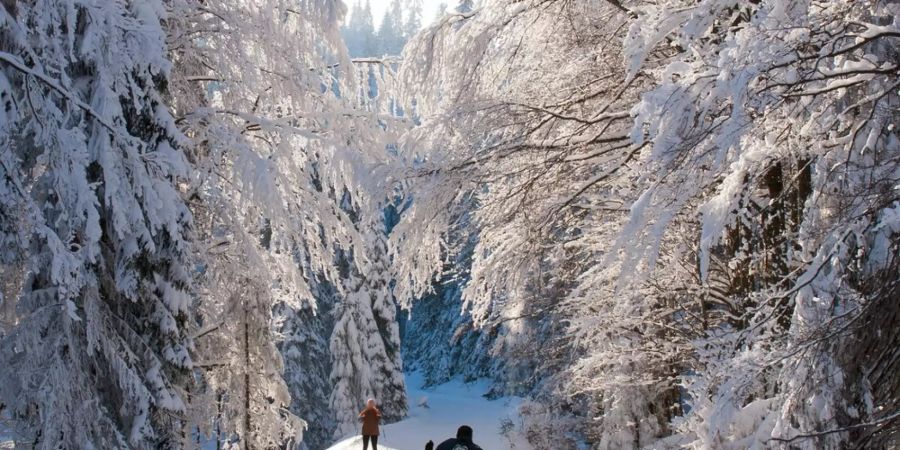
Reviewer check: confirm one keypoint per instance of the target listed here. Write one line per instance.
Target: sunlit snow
(448, 406)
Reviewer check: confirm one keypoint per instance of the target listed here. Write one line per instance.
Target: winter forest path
(449, 405)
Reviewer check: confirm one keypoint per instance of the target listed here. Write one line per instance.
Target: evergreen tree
(352, 38)
(365, 363)
(366, 30)
(385, 36)
(95, 234)
(441, 10)
(391, 30)
(305, 331)
(465, 6)
(365, 341)
(413, 19)
(359, 33)
(389, 386)
(394, 30)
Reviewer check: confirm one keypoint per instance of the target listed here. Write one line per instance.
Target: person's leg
(365, 442)
(375, 442)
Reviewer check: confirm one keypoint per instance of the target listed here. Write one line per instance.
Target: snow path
(450, 405)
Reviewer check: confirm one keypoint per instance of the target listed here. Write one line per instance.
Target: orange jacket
(370, 417)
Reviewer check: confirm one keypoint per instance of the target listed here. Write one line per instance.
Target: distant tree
(402, 20)
(465, 6)
(367, 32)
(349, 31)
(413, 19)
(391, 31)
(359, 33)
(441, 11)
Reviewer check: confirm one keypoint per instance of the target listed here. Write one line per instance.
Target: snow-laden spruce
(96, 244)
(174, 213)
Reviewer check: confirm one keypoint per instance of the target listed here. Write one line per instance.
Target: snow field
(447, 406)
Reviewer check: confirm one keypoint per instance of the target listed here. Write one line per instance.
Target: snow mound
(355, 443)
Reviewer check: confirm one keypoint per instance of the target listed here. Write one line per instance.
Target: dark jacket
(455, 444)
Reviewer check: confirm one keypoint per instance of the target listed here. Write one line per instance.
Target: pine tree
(413, 19)
(465, 6)
(389, 385)
(91, 167)
(366, 30)
(391, 30)
(441, 10)
(352, 31)
(365, 341)
(304, 345)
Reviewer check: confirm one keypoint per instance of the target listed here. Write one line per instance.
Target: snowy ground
(449, 406)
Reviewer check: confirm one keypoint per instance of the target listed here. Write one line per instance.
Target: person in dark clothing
(370, 417)
(429, 446)
(463, 440)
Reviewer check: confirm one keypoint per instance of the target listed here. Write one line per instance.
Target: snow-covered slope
(448, 406)
(355, 443)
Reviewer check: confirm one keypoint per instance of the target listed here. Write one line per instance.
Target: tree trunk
(248, 444)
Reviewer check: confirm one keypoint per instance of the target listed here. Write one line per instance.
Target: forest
(644, 224)
(399, 23)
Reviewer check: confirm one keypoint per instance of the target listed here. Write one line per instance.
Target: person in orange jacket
(370, 417)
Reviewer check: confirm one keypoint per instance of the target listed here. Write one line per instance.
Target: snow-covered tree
(701, 193)
(774, 120)
(281, 138)
(453, 347)
(533, 146)
(96, 237)
(304, 345)
(365, 341)
(359, 34)
(391, 30)
(401, 20)
(413, 20)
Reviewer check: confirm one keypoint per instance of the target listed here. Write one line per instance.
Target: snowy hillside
(449, 405)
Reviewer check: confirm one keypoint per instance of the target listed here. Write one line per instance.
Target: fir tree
(350, 33)
(365, 341)
(465, 6)
(413, 19)
(441, 10)
(100, 245)
(391, 30)
(359, 33)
